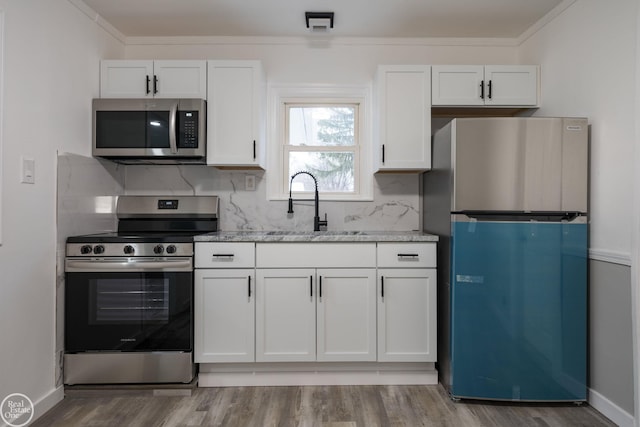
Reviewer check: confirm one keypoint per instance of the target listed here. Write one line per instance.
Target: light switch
(28, 170)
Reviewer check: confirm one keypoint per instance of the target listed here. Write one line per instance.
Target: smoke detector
(319, 22)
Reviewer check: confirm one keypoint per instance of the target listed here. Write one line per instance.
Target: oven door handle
(128, 264)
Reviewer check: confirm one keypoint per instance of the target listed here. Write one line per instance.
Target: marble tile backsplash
(395, 206)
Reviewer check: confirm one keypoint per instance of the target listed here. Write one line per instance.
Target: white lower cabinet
(407, 315)
(224, 302)
(346, 315)
(224, 315)
(285, 315)
(407, 306)
(307, 315)
(315, 302)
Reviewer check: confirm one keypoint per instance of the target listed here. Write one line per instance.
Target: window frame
(289, 148)
(280, 97)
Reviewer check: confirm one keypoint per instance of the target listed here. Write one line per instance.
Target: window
(324, 131)
(322, 139)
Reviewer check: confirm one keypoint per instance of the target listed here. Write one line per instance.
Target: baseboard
(45, 403)
(610, 409)
(258, 378)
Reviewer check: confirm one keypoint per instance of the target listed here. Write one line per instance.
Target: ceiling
(353, 18)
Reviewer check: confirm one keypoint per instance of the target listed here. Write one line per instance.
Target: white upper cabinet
(480, 85)
(403, 137)
(149, 79)
(235, 114)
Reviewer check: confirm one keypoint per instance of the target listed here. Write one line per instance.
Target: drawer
(316, 255)
(225, 255)
(409, 255)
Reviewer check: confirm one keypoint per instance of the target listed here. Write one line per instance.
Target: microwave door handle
(173, 118)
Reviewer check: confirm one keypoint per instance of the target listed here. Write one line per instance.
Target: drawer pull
(223, 255)
(408, 255)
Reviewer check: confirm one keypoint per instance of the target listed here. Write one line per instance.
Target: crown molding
(321, 40)
(550, 16)
(94, 16)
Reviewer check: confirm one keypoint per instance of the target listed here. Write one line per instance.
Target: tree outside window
(323, 140)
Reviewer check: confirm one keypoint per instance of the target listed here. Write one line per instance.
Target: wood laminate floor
(322, 406)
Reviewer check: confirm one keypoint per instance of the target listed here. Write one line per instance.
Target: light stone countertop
(316, 236)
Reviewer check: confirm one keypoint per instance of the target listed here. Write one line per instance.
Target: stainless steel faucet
(317, 223)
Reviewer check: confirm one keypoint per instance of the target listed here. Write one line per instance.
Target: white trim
(278, 95)
(635, 234)
(95, 16)
(610, 409)
(550, 16)
(45, 403)
(2, 112)
(613, 257)
(331, 41)
(316, 374)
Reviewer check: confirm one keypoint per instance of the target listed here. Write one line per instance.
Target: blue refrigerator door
(519, 311)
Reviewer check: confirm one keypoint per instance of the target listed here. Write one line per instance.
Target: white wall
(50, 75)
(588, 61)
(339, 61)
(587, 58)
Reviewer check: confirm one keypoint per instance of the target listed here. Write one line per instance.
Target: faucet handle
(324, 222)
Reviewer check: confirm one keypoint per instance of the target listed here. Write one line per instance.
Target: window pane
(313, 126)
(333, 170)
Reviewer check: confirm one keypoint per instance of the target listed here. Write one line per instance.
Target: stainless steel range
(129, 294)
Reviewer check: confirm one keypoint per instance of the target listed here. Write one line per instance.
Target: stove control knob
(129, 250)
(98, 249)
(86, 249)
(158, 249)
(171, 249)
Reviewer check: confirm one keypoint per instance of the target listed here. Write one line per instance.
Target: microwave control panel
(188, 129)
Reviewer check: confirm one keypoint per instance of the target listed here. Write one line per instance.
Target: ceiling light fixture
(319, 22)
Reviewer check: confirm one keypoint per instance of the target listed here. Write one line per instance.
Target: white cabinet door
(407, 315)
(285, 315)
(485, 85)
(148, 79)
(346, 323)
(224, 315)
(457, 85)
(404, 118)
(126, 79)
(235, 125)
(511, 85)
(180, 79)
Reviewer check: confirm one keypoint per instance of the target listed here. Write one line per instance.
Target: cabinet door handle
(249, 286)
(254, 149)
(222, 255)
(148, 81)
(382, 287)
(311, 286)
(490, 84)
(408, 255)
(382, 153)
(482, 89)
(155, 84)
(320, 291)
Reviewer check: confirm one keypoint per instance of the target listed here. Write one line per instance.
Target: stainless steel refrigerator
(508, 198)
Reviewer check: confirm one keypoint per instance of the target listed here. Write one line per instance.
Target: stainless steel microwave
(160, 131)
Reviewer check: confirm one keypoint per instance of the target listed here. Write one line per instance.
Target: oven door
(129, 304)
